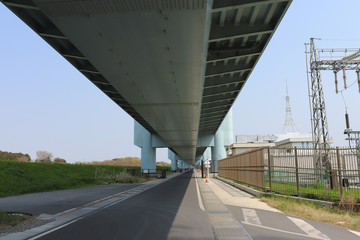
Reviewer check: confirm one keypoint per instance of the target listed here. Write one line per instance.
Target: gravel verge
(32, 222)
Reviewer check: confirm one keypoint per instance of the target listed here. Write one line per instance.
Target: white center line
(308, 229)
(250, 216)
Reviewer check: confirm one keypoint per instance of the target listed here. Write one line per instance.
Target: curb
(249, 190)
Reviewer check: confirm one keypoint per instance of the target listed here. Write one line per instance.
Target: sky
(46, 104)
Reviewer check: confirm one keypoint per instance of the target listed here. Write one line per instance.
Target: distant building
(255, 138)
(284, 140)
(290, 140)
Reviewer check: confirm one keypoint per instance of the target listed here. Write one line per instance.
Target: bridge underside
(175, 66)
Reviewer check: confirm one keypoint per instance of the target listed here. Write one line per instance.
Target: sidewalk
(224, 224)
(234, 197)
(235, 214)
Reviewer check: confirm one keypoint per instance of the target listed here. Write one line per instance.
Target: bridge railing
(295, 171)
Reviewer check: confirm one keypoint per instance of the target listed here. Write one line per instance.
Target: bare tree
(43, 156)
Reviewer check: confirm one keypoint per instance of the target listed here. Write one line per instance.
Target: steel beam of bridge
(175, 66)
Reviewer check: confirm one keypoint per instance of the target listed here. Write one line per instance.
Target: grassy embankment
(28, 177)
(313, 211)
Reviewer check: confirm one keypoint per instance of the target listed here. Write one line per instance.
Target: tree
(14, 156)
(44, 156)
(59, 160)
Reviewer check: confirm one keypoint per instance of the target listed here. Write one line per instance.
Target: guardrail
(294, 171)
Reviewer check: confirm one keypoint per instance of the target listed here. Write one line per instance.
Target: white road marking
(308, 229)
(201, 205)
(279, 230)
(54, 229)
(250, 216)
(355, 232)
(98, 201)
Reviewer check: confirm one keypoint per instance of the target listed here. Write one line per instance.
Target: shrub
(59, 160)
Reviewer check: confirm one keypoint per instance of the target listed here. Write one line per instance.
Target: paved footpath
(263, 222)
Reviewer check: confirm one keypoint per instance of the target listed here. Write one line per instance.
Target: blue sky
(46, 104)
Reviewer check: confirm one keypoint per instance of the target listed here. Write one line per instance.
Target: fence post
(297, 172)
(269, 168)
(339, 171)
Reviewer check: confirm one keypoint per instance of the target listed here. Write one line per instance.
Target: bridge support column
(218, 151)
(173, 164)
(148, 143)
(148, 154)
(174, 160)
(223, 137)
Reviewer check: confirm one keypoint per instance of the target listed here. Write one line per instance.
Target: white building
(286, 140)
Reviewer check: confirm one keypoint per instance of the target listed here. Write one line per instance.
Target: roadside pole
(202, 168)
(207, 165)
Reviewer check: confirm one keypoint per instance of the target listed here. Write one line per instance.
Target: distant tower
(289, 125)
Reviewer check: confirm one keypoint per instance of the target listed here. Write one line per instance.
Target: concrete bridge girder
(176, 68)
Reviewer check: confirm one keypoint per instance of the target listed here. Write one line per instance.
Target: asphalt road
(57, 201)
(167, 211)
(179, 208)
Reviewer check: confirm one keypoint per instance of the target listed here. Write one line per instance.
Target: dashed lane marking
(309, 229)
(283, 231)
(250, 216)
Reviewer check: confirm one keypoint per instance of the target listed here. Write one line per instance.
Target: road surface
(184, 207)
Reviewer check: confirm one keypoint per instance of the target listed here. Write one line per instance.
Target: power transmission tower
(321, 139)
(335, 60)
(289, 125)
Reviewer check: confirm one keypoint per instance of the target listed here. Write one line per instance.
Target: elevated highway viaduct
(175, 66)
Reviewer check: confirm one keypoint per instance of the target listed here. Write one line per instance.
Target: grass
(312, 211)
(27, 177)
(314, 191)
(10, 220)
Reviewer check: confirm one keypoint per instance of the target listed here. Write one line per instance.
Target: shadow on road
(148, 215)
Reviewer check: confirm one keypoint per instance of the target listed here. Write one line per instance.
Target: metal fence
(296, 172)
(246, 168)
